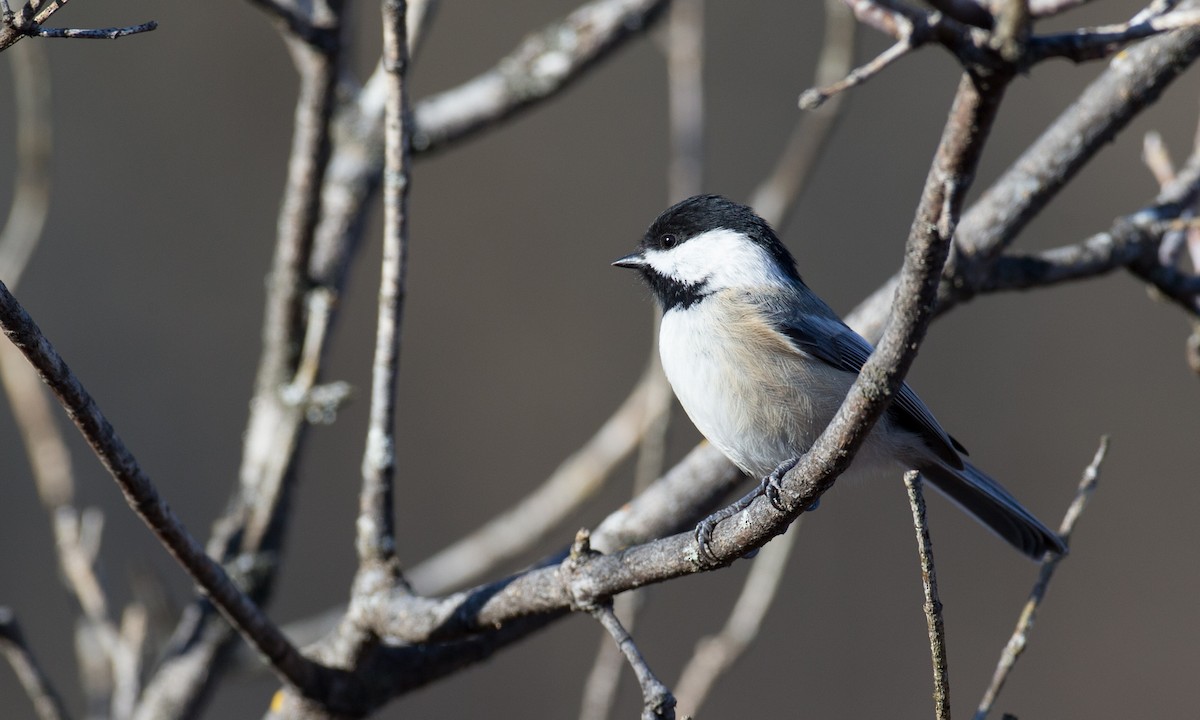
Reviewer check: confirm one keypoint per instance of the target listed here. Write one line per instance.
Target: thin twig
(812, 98)
(657, 701)
(110, 33)
(933, 604)
(144, 499)
(29, 22)
(1020, 637)
(46, 701)
(717, 653)
(376, 541)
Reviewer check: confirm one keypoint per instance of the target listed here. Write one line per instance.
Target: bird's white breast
(743, 385)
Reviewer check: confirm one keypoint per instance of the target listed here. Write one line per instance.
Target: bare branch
(812, 98)
(144, 499)
(111, 33)
(1047, 8)
(1133, 242)
(933, 605)
(28, 22)
(1020, 637)
(604, 679)
(293, 22)
(1129, 85)
(544, 64)
(46, 702)
(31, 184)
(1098, 42)
(376, 541)
(127, 660)
(657, 701)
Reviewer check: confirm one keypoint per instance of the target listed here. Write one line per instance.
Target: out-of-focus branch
(31, 182)
(313, 25)
(1020, 637)
(46, 701)
(1047, 8)
(685, 104)
(144, 499)
(544, 64)
(777, 194)
(933, 605)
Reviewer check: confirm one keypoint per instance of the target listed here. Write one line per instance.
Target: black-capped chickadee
(761, 364)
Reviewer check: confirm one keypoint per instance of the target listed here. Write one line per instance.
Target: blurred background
(519, 340)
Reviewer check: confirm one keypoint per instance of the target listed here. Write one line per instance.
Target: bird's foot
(770, 487)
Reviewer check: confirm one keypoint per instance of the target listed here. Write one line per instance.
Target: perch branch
(933, 604)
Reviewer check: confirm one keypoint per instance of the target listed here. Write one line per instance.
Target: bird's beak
(634, 260)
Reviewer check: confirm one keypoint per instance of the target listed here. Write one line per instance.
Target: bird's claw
(771, 487)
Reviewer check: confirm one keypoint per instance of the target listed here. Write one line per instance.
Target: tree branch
(543, 65)
(933, 604)
(1020, 637)
(1129, 85)
(46, 701)
(28, 22)
(144, 499)
(376, 541)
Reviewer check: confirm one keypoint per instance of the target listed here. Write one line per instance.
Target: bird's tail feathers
(988, 502)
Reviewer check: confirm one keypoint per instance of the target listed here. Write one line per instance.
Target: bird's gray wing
(813, 328)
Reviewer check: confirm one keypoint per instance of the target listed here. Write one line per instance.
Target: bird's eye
(669, 241)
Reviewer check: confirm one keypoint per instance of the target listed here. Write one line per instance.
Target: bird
(761, 364)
